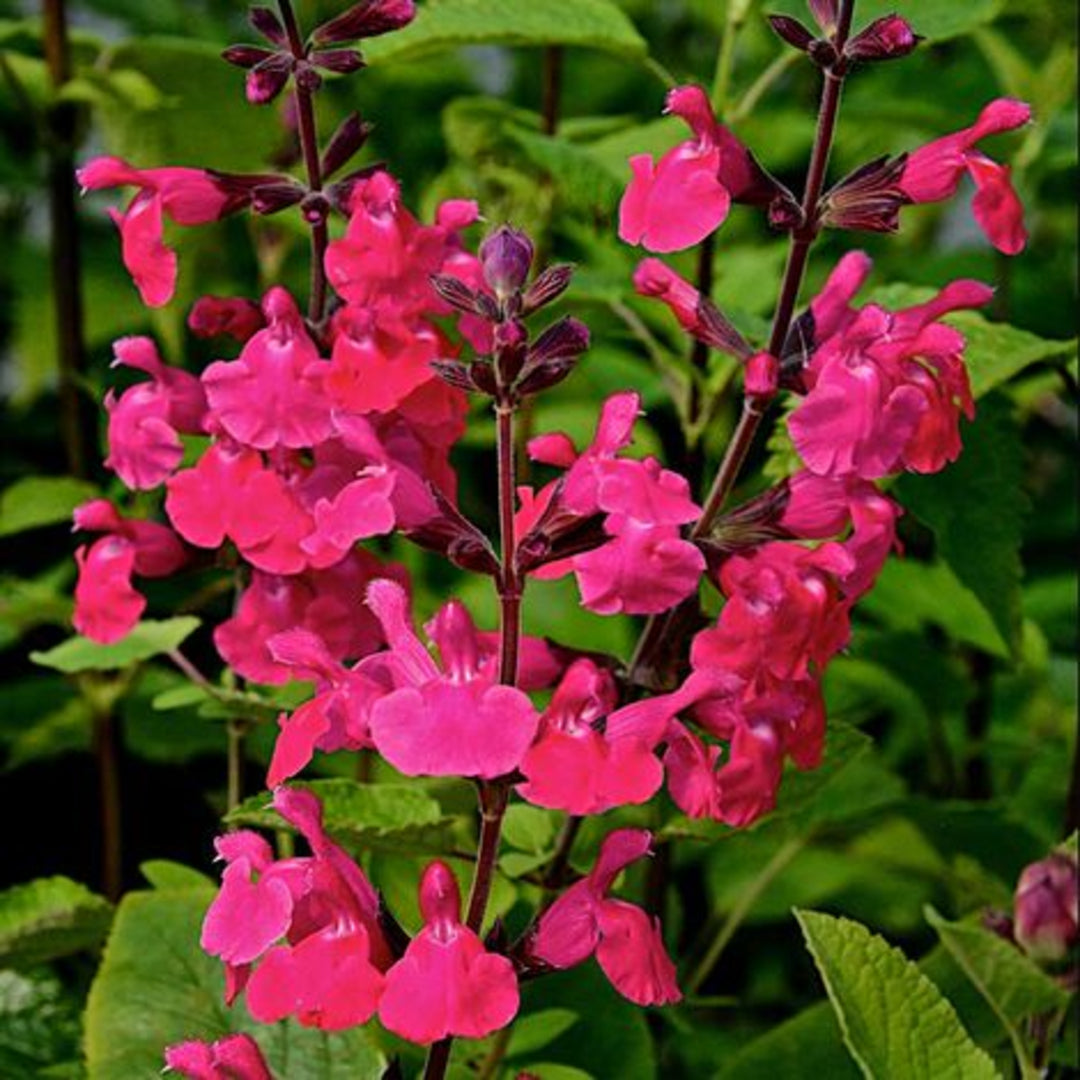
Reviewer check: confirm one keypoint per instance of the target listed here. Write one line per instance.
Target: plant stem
(75, 427)
(495, 794)
(552, 88)
(656, 629)
(107, 756)
(309, 144)
(784, 854)
(235, 732)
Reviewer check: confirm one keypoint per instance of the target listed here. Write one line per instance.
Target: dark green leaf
(535, 1031)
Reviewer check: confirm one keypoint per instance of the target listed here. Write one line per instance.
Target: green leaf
(894, 1019)
(166, 874)
(446, 24)
(976, 510)
(1011, 984)
(362, 815)
(39, 1026)
(535, 1031)
(156, 987)
(149, 638)
(937, 20)
(50, 917)
(41, 500)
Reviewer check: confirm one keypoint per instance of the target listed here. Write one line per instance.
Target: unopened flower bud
(348, 138)
(792, 31)
(549, 285)
(1046, 907)
(246, 56)
(307, 78)
(868, 199)
(762, 376)
(824, 12)
(887, 38)
(369, 18)
(267, 79)
(339, 61)
(266, 22)
(506, 255)
(315, 208)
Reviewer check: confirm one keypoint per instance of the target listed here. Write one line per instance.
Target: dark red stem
(752, 412)
(309, 145)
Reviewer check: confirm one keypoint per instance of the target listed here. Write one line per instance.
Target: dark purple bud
(239, 189)
(268, 24)
(792, 31)
(565, 340)
(369, 18)
(272, 197)
(225, 316)
(246, 56)
(340, 61)
(451, 534)
(785, 213)
(315, 208)
(887, 38)
(558, 534)
(350, 136)
(456, 293)
(824, 12)
(307, 77)
(267, 79)
(823, 53)
(511, 344)
(456, 373)
(998, 922)
(868, 199)
(549, 285)
(754, 522)
(1045, 908)
(536, 378)
(506, 256)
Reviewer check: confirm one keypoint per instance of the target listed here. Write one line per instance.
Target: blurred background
(963, 665)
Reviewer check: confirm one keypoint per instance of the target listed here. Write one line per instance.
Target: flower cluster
(311, 434)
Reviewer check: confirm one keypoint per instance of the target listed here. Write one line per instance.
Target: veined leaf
(50, 917)
(149, 638)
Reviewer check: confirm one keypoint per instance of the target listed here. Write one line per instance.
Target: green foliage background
(952, 716)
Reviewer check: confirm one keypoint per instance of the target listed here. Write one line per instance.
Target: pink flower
(588, 757)
(886, 390)
(626, 942)
(107, 606)
(272, 395)
(144, 444)
(328, 603)
(453, 721)
(186, 196)
(232, 316)
(328, 971)
(933, 172)
(1047, 919)
(158, 550)
(234, 1057)
(447, 983)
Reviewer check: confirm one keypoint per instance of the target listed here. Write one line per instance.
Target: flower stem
(657, 629)
(309, 145)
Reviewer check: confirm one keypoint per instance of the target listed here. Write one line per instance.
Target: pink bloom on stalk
(328, 971)
(656, 279)
(933, 172)
(1047, 920)
(328, 603)
(234, 1057)
(588, 757)
(107, 606)
(186, 196)
(676, 203)
(145, 421)
(886, 390)
(447, 983)
(627, 943)
(272, 395)
(453, 721)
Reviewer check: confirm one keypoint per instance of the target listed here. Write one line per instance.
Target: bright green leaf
(156, 987)
(894, 1019)
(41, 500)
(446, 24)
(149, 638)
(48, 918)
(530, 828)
(166, 874)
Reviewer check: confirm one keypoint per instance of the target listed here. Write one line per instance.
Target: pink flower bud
(887, 38)
(1046, 907)
(369, 18)
(506, 255)
(762, 375)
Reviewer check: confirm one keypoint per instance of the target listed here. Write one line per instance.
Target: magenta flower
(107, 605)
(627, 944)
(933, 172)
(234, 1057)
(588, 757)
(447, 983)
(186, 196)
(328, 971)
(145, 422)
(158, 550)
(449, 721)
(272, 394)
(886, 390)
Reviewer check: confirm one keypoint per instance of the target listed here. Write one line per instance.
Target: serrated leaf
(447, 24)
(50, 917)
(156, 987)
(535, 1031)
(152, 637)
(1011, 984)
(976, 510)
(893, 1018)
(41, 500)
(362, 815)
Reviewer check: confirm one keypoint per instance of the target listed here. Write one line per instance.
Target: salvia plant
(327, 424)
